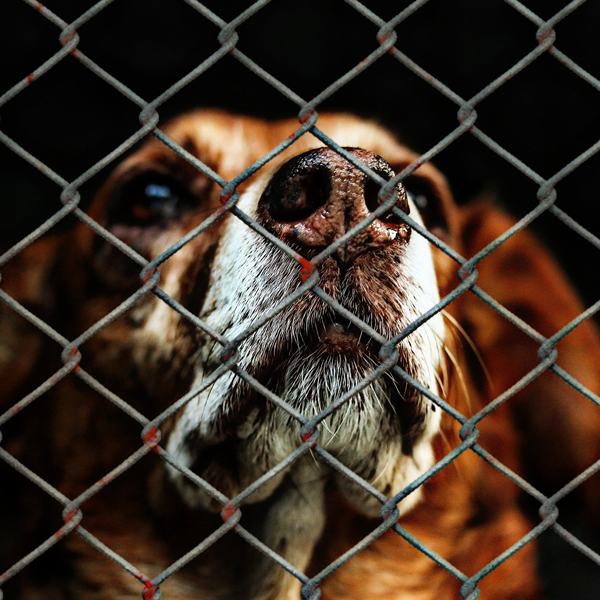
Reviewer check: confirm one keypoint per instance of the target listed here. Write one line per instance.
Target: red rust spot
(307, 116)
(543, 37)
(149, 591)
(149, 274)
(306, 436)
(307, 269)
(224, 199)
(381, 39)
(69, 516)
(39, 6)
(68, 38)
(386, 513)
(228, 511)
(465, 274)
(30, 78)
(72, 354)
(220, 212)
(152, 438)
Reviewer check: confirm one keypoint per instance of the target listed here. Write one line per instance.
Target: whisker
(461, 377)
(457, 328)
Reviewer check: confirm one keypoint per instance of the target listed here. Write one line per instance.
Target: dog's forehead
(231, 143)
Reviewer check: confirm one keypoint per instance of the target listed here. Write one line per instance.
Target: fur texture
(308, 354)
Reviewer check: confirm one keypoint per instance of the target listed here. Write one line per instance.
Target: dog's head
(308, 352)
(241, 343)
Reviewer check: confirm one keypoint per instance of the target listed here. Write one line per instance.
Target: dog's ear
(27, 278)
(558, 427)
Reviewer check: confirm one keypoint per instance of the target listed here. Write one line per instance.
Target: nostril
(371, 195)
(297, 191)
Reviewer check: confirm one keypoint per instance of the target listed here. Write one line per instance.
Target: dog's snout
(316, 197)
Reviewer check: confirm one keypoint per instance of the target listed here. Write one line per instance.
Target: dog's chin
(340, 339)
(230, 436)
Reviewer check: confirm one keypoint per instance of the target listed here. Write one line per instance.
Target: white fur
(250, 276)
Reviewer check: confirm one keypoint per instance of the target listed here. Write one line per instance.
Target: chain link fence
(387, 43)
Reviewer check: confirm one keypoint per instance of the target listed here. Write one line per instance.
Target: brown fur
(73, 437)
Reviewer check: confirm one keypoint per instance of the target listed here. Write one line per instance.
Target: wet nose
(315, 198)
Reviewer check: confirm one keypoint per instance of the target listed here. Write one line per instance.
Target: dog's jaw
(291, 355)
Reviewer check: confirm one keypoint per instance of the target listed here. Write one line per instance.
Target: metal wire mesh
(228, 37)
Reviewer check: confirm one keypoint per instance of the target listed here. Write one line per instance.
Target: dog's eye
(150, 199)
(156, 200)
(420, 201)
(429, 205)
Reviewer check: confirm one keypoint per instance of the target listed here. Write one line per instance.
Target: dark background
(546, 115)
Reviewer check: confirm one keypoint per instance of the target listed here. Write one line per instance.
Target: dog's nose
(316, 197)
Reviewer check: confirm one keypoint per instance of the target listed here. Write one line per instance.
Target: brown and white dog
(308, 354)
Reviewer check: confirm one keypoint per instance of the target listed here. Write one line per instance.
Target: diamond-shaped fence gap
(399, 93)
(66, 9)
(502, 495)
(517, 270)
(546, 9)
(227, 85)
(581, 572)
(42, 515)
(577, 38)
(567, 245)
(20, 218)
(519, 195)
(360, 539)
(52, 555)
(485, 176)
(51, 412)
(573, 188)
(502, 37)
(139, 396)
(169, 42)
(494, 567)
(99, 119)
(332, 44)
(139, 495)
(37, 42)
(534, 140)
(206, 538)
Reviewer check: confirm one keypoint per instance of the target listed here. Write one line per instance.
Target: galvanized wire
(68, 199)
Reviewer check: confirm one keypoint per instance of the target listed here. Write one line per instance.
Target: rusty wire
(385, 42)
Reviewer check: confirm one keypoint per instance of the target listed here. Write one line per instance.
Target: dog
(286, 361)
